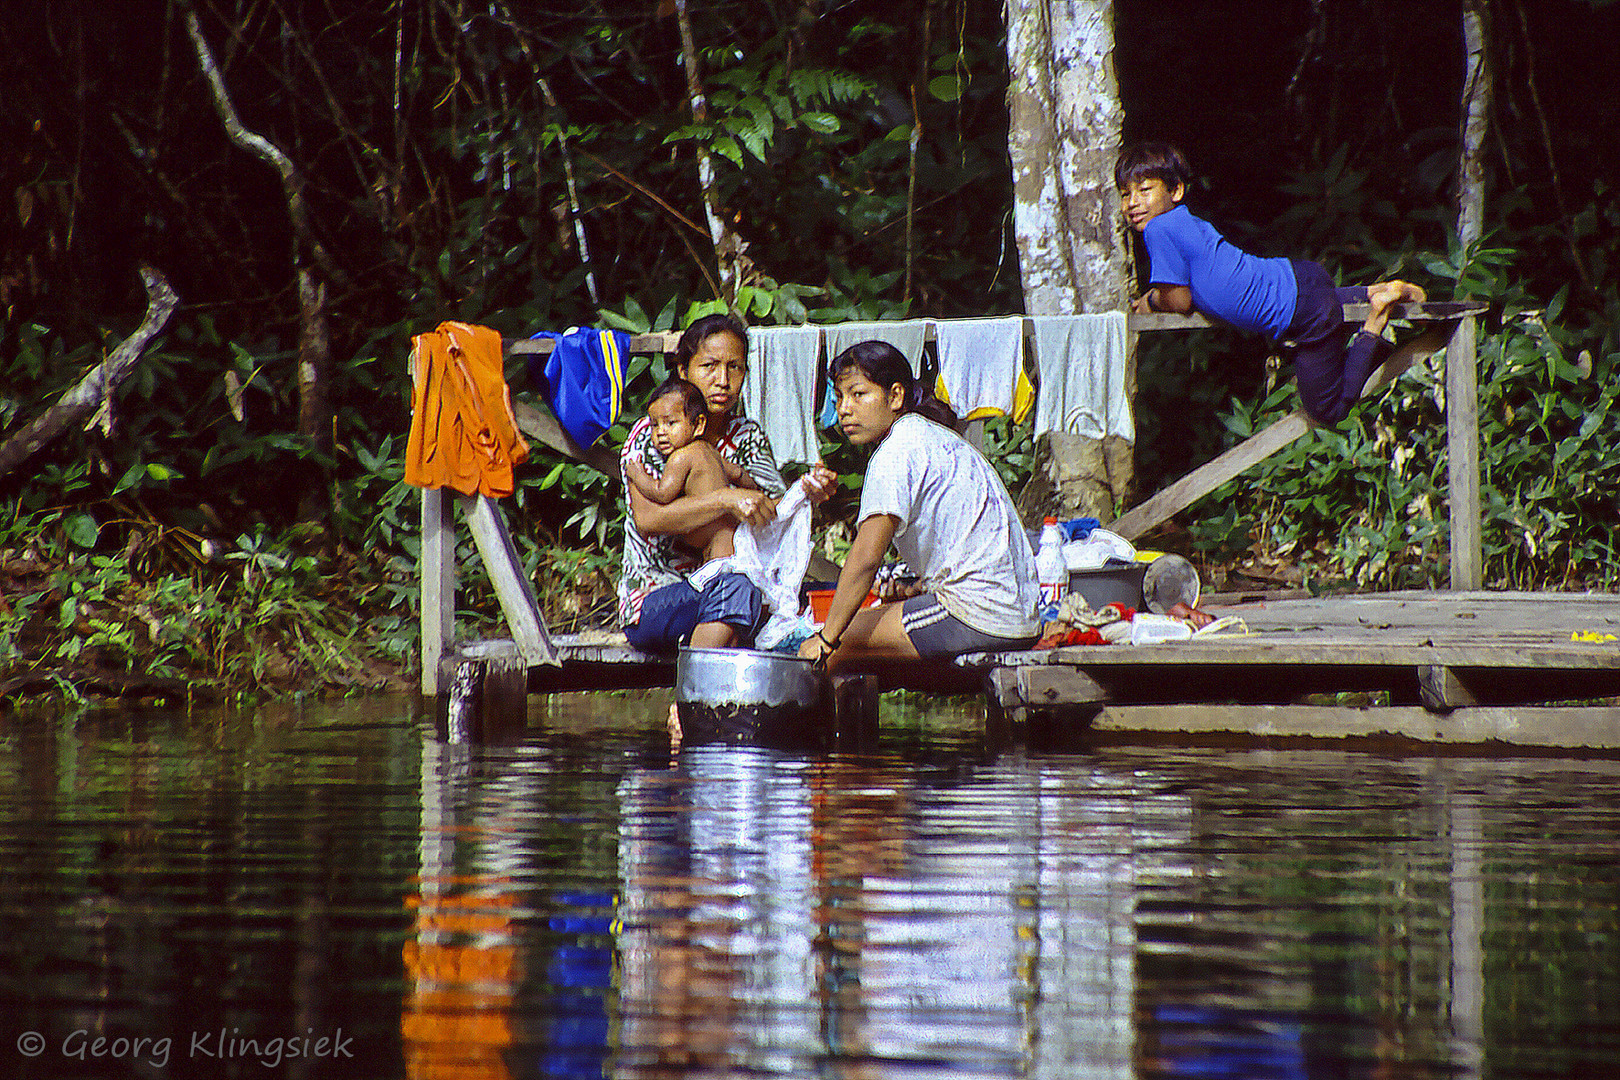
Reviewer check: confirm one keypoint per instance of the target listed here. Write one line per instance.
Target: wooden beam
(639, 343)
(1050, 687)
(538, 422)
(1441, 689)
(1211, 475)
(438, 586)
(512, 585)
(1428, 311)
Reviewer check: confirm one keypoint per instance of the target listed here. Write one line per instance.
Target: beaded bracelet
(832, 646)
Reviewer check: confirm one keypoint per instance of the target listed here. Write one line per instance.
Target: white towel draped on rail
(1081, 360)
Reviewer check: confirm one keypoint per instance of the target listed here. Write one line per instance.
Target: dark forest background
(443, 160)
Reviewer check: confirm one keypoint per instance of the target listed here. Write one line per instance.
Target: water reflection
(581, 903)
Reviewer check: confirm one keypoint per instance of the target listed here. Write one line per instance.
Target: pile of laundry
(1114, 624)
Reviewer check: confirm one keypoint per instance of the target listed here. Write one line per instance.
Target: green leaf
(82, 530)
(822, 122)
(945, 87)
(131, 475)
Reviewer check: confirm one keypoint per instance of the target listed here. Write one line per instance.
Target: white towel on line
(979, 362)
(780, 390)
(907, 336)
(1081, 360)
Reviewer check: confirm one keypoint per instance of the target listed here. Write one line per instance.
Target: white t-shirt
(958, 527)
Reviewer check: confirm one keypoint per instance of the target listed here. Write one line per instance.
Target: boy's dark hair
(884, 365)
(1151, 161)
(692, 403)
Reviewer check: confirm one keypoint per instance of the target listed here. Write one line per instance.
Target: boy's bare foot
(1385, 295)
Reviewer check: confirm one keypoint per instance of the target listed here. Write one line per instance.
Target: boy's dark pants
(1329, 373)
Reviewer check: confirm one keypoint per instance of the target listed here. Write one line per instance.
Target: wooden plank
(538, 422)
(1428, 311)
(438, 585)
(663, 342)
(1568, 727)
(1462, 462)
(512, 585)
(1211, 475)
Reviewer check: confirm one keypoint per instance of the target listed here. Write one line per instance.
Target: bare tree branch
(292, 181)
(90, 392)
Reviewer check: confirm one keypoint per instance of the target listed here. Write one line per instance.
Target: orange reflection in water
(462, 971)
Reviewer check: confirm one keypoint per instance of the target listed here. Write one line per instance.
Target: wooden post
(1462, 456)
(438, 581)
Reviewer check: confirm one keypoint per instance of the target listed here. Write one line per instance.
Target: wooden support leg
(1441, 690)
(855, 710)
(438, 586)
(512, 585)
(1462, 457)
(1211, 475)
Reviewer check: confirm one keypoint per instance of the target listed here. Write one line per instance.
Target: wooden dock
(1449, 667)
(1474, 668)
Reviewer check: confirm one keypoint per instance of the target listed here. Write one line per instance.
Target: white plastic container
(1051, 569)
(1150, 629)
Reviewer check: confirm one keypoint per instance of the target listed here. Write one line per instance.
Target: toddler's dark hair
(692, 403)
(884, 365)
(1151, 161)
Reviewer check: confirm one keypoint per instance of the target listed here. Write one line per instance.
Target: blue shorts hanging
(582, 379)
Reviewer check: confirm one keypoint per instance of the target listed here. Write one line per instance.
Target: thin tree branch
(292, 181)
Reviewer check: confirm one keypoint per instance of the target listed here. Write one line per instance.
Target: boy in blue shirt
(1192, 267)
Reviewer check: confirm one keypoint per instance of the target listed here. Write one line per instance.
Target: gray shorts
(936, 632)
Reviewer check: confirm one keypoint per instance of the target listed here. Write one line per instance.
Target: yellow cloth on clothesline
(463, 432)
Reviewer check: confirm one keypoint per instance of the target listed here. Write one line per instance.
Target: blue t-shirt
(1227, 283)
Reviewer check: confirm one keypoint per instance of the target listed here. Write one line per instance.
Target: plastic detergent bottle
(1051, 569)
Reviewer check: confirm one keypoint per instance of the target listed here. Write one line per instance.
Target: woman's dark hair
(702, 330)
(884, 365)
(692, 403)
(1151, 161)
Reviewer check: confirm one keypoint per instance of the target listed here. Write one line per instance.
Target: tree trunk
(727, 249)
(1063, 136)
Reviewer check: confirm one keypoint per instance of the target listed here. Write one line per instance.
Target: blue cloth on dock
(582, 379)
(1079, 528)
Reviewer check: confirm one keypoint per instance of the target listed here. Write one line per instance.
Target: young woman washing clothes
(941, 504)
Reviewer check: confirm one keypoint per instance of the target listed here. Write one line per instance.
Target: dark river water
(335, 892)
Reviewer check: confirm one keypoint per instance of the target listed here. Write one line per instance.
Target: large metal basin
(743, 696)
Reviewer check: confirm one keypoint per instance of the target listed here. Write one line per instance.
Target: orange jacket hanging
(463, 432)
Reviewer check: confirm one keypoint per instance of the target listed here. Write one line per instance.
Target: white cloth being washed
(1081, 361)
(774, 557)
